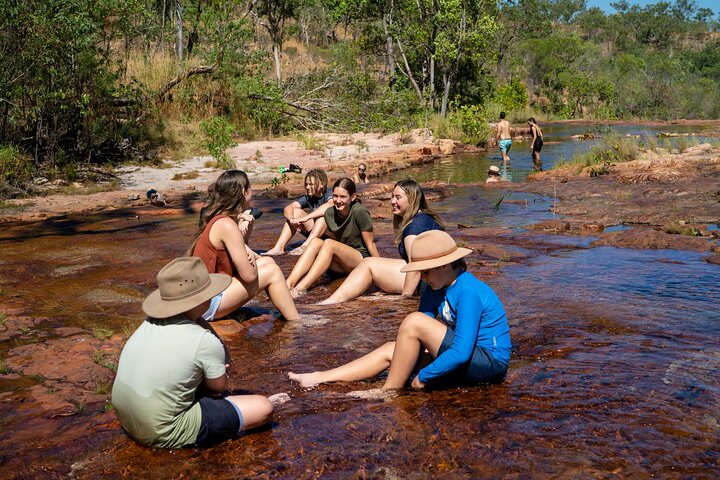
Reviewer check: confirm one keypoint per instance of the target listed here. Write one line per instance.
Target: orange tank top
(216, 260)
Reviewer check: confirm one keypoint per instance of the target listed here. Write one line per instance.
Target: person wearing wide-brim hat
(461, 325)
(493, 174)
(172, 355)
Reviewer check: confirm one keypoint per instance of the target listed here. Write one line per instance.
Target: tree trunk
(446, 94)
(178, 14)
(276, 55)
(387, 20)
(193, 37)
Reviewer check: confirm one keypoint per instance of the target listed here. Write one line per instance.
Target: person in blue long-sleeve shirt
(460, 332)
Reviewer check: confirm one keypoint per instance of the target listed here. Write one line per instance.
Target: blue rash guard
(474, 312)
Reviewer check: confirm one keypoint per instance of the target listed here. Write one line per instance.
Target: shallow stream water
(614, 371)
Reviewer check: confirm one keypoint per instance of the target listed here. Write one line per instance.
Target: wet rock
(133, 196)
(227, 328)
(592, 227)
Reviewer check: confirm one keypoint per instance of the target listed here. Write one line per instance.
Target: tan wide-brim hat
(432, 249)
(183, 284)
(494, 169)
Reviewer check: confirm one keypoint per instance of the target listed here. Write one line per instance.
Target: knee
(317, 242)
(411, 324)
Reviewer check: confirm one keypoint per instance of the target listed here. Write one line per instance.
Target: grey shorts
(482, 368)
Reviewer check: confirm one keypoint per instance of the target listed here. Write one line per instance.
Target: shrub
(218, 137)
(16, 168)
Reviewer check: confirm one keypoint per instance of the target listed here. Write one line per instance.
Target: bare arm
(320, 212)
(217, 384)
(226, 232)
(411, 278)
(369, 240)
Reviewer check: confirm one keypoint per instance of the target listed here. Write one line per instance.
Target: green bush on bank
(16, 168)
(611, 149)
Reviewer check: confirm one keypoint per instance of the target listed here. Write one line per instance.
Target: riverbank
(185, 182)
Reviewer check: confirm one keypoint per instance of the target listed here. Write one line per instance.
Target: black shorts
(220, 421)
(482, 368)
(537, 144)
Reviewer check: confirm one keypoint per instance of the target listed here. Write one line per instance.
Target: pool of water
(559, 146)
(613, 375)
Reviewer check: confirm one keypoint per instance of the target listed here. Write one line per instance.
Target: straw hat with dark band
(183, 284)
(432, 249)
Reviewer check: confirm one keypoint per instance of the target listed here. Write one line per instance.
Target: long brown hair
(225, 197)
(417, 203)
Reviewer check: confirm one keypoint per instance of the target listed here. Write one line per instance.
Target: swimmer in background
(361, 175)
(493, 174)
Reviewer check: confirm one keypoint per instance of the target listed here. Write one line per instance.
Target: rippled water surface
(614, 371)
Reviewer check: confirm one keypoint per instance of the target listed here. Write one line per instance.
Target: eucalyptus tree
(273, 15)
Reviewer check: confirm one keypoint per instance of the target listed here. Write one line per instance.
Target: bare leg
(304, 263)
(256, 409)
(384, 272)
(416, 331)
(367, 366)
(285, 235)
(271, 279)
(331, 253)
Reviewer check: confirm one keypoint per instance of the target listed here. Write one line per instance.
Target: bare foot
(279, 398)
(328, 301)
(306, 380)
(297, 251)
(272, 252)
(373, 394)
(297, 292)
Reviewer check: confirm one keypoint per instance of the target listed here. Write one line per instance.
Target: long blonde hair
(225, 197)
(417, 203)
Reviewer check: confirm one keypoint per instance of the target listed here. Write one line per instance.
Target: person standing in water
(460, 332)
(537, 143)
(502, 135)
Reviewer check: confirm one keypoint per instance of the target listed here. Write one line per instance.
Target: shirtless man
(502, 135)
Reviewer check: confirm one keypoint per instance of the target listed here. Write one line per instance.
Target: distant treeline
(92, 81)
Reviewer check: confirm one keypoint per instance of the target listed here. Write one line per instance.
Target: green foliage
(102, 388)
(101, 332)
(218, 138)
(681, 228)
(310, 142)
(611, 149)
(97, 356)
(15, 168)
(4, 369)
(512, 95)
(362, 146)
(467, 124)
